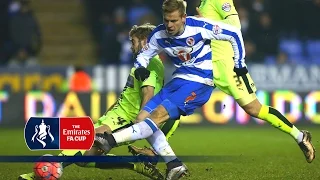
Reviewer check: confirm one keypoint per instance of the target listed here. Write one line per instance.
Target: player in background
(134, 96)
(237, 82)
(186, 41)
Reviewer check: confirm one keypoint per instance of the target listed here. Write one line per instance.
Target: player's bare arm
(147, 92)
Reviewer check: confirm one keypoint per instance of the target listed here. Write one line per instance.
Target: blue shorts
(180, 97)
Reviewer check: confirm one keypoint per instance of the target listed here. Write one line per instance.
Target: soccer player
(186, 40)
(237, 81)
(134, 96)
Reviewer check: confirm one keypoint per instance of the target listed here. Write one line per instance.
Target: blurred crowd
(20, 42)
(275, 31)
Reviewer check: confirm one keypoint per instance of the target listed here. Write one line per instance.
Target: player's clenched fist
(141, 73)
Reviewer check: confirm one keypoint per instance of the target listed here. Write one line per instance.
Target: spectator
(25, 36)
(191, 4)
(252, 55)
(80, 81)
(4, 32)
(126, 53)
(258, 6)
(244, 20)
(148, 18)
(263, 21)
(265, 36)
(14, 7)
(115, 32)
(310, 27)
(282, 58)
(138, 10)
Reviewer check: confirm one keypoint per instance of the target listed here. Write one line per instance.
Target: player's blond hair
(170, 6)
(142, 31)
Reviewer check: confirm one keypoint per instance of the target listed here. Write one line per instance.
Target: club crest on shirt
(145, 47)
(190, 41)
(183, 54)
(226, 7)
(216, 29)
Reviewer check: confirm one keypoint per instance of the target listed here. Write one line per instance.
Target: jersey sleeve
(147, 52)
(214, 30)
(233, 20)
(225, 8)
(151, 80)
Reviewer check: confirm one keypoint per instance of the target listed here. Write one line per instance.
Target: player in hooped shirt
(186, 40)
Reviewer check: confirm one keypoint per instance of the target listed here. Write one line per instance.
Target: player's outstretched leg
(276, 119)
(145, 129)
(279, 121)
(168, 129)
(175, 169)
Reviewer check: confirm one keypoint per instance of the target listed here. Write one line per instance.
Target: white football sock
(161, 146)
(137, 131)
(296, 134)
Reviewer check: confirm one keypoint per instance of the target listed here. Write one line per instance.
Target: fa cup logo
(41, 133)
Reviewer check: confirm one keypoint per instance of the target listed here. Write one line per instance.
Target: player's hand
(199, 13)
(240, 71)
(141, 73)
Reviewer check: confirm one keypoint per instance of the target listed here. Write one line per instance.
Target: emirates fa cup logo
(41, 132)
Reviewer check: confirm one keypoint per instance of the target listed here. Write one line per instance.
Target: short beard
(134, 55)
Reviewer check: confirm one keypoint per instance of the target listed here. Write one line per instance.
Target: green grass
(231, 153)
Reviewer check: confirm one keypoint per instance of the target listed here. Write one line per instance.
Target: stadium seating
(66, 39)
(292, 47)
(313, 51)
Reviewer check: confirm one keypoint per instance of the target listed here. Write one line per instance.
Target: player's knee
(252, 112)
(159, 115)
(142, 116)
(252, 108)
(171, 110)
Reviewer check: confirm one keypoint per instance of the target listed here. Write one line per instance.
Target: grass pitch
(224, 153)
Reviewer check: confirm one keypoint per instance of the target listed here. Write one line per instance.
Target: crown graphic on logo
(41, 132)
